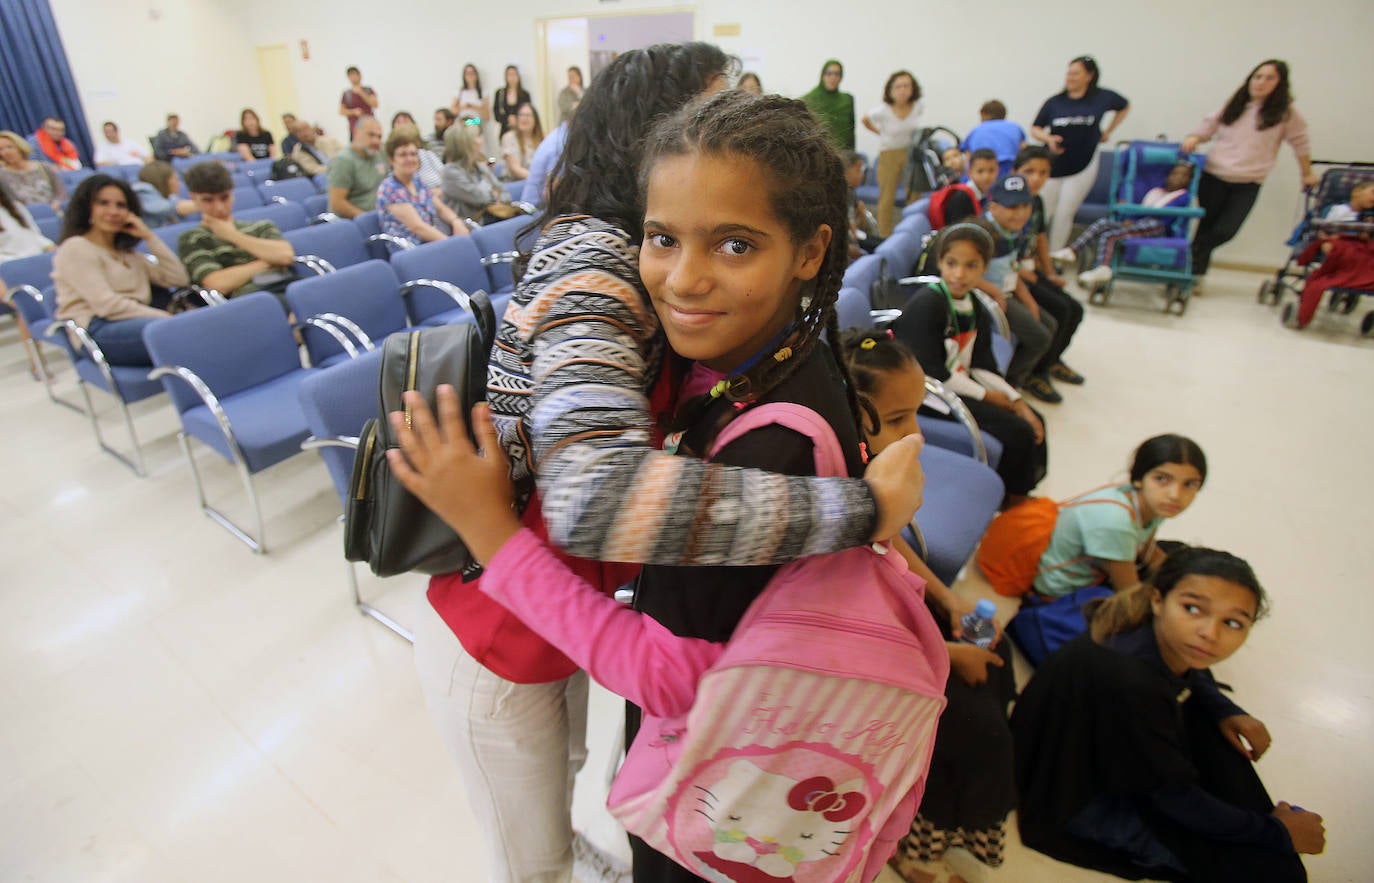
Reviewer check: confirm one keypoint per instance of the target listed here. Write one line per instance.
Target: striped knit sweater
(578, 350)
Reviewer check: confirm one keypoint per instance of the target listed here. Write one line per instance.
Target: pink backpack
(804, 755)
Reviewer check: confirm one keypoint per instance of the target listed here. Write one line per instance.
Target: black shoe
(1063, 373)
(1040, 388)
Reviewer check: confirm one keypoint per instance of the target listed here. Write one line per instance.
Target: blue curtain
(35, 79)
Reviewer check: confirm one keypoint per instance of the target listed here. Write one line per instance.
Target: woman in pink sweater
(1246, 135)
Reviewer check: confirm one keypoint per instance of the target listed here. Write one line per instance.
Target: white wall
(1174, 59)
(135, 61)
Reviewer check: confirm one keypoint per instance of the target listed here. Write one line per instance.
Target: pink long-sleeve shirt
(1243, 153)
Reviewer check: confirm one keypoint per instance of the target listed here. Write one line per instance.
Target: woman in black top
(1070, 124)
(505, 103)
(1129, 760)
(252, 141)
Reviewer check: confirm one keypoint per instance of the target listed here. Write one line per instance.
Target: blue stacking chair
(852, 309)
(40, 210)
(50, 227)
(919, 207)
(124, 383)
(73, 177)
(257, 169)
(917, 224)
(247, 197)
(961, 497)
(496, 243)
(287, 217)
(1137, 167)
(962, 434)
(437, 277)
(378, 243)
(128, 172)
(348, 312)
(864, 272)
(171, 234)
(288, 190)
(321, 182)
(234, 375)
(325, 248)
(317, 207)
(240, 180)
(26, 280)
(900, 250)
(337, 402)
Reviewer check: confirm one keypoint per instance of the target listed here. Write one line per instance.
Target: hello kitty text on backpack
(804, 755)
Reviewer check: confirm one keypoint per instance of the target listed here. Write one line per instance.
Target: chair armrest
(962, 414)
(279, 200)
(501, 257)
(391, 240)
(93, 350)
(207, 398)
(999, 318)
(1134, 210)
(918, 280)
(528, 208)
(314, 443)
(884, 317)
(313, 262)
(352, 328)
(325, 322)
(477, 303)
(32, 292)
(324, 218)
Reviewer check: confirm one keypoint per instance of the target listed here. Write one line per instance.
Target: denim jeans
(122, 340)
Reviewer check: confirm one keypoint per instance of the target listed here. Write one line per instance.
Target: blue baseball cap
(1010, 191)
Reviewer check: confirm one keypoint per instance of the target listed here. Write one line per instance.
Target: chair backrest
(232, 347)
(241, 179)
(128, 172)
(455, 260)
(286, 217)
(864, 272)
(73, 177)
(901, 250)
(315, 205)
(293, 189)
(35, 270)
(337, 402)
(247, 197)
(50, 227)
(171, 234)
(852, 309)
(257, 168)
(40, 210)
(340, 243)
(321, 182)
(496, 239)
(369, 224)
(366, 293)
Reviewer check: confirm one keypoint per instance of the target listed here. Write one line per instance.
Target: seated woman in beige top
(102, 283)
(518, 144)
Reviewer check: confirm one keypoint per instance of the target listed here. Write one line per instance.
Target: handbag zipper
(411, 368)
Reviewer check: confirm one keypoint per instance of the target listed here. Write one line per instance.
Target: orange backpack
(1010, 553)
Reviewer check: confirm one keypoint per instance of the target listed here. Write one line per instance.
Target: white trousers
(518, 747)
(1063, 197)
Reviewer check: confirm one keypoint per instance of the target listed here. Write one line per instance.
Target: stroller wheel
(1097, 297)
(1268, 292)
(1289, 315)
(1367, 324)
(1352, 301)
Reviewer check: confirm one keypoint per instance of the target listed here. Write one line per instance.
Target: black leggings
(1065, 309)
(1023, 462)
(1226, 206)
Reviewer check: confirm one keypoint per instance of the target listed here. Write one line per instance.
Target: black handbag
(384, 524)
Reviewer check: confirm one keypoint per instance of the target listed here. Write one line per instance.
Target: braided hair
(869, 355)
(806, 187)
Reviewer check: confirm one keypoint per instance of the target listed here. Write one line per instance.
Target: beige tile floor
(174, 708)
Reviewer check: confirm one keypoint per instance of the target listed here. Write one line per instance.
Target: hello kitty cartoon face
(766, 825)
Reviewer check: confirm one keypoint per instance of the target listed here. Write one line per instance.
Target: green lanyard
(953, 358)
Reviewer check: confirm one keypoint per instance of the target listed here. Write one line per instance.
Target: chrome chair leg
(368, 610)
(45, 374)
(136, 464)
(214, 514)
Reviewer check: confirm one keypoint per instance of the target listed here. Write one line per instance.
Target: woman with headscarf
(835, 109)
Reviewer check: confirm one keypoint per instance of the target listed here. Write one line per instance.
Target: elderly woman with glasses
(405, 206)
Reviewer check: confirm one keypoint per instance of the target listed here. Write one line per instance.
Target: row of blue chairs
(962, 491)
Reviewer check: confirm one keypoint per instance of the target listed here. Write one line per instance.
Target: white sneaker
(1099, 275)
(1064, 256)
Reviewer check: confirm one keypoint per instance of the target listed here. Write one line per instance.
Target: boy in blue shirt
(996, 133)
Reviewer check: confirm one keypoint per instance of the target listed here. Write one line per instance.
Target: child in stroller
(1105, 233)
(1340, 240)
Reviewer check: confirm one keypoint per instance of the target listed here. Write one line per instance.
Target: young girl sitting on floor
(951, 336)
(1128, 758)
(970, 788)
(1107, 233)
(744, 251)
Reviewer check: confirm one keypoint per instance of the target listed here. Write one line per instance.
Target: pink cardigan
(1243, 153)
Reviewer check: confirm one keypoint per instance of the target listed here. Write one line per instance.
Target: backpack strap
(830, 460)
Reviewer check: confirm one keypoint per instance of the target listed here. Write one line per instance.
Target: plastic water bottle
(978, 628)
